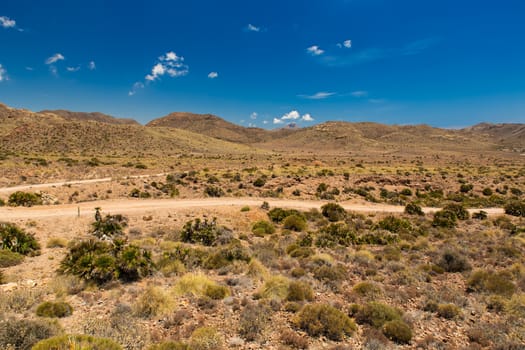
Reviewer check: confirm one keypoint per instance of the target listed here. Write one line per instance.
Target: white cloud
(253, 116)
(55, 58)
(318, 96)
(265, 122)
(253, 28)
(170, 64)
(138, 85)
(315, 50)
(359, 93)
(377, 100)
(7, 22)
(53, 70)
(307, 118)
(3, 74)
(293, 115)
(277, 121)
(92, 65)
(73, 69)
(347, 44)
(213, 75)
(30, 69)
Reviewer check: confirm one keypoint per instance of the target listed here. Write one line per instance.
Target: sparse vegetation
(68, 342)
(322, 319)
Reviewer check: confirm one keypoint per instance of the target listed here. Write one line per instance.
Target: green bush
(16, 240)
(413, 209)
(24, 199)
(333, 212)
(323, 319)
(213, 191)
(259, 182)
(448, 311)
(487, 191)
(394, 224)
(335, 234)
(23, 334)
(277, 215)
(480, 215)
(263, 227)
(492, 282)
(330, 274)
(227, 255)
(299, 291)
(445, 219)
(459, 210)
(81, 342)
(397, 331)
(216, 292)
(295, 223)
(110, 226)
(367, 289)
(102, 262)
(54, 309)
(515, 208)
(9, 258)
(376, 314)
(453, 261)
(202, 232)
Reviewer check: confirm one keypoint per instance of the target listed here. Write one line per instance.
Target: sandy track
(134, 206)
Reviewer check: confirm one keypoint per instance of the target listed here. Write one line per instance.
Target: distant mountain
(511, 135)
(95, 116)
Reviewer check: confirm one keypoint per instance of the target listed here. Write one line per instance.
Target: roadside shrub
(2, 202)
(515, 208)
(23, 334)
(487, 191)
(413, 209)
(206, 338)
(109, 226)
(277, 215)
(480, 215)
(398, 331)
(9, 258)
(259, 182)
(376, 314)
(492, 282)
(16, 240)
(102, 262)
(453, 261)
(448, 311)
(213, 191)
(323, 319)
(333, 212)
(459, 210)
(83, 342)
(202, 232)
(299, 291)
(445, 219)
(263, 227)
(394, 224)
(54, 309)
(295, 223)
(334, 234)
(24, 199)
(56, 242)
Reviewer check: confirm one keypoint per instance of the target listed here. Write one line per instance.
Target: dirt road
(134, 206)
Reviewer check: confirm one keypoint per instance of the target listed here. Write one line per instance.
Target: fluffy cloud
(92, 65)
(55, 58)
(347, 44)
(213, 75)
(253, 116)
(293, 115)
(318, 96)
(315, 50)
(73, 69)
(7, 22)
(252, 28)
(170, 64)
(3, 74)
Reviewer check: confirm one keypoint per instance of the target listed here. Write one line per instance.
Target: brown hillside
(95, 116)
(509, 135)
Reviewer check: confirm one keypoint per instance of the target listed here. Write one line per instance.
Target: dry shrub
(206, 338)
(54, 309)
(293, 340)
(275, 288)
(253, 320)
(323, 319)
(69, 342)
(153, 301)
(196, 284)
(56, 242)
(23, 334)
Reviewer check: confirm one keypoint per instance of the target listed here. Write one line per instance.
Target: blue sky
(266, 63)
